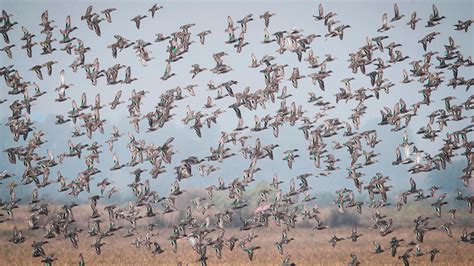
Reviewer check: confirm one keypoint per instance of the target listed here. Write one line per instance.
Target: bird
(385, 25)
(167, 73)
(413, 20)
(334, 240)
(107, 12)
(397, 15)
(196, 69)
(7, 50)
(202, 36)
(354, 236)
(266, 17)
(153, 9)
(137, 20)
(116, 102)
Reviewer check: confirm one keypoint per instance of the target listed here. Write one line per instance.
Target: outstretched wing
(68, 22)
(118, 95)
(230, 23)
(384, 19)
(397, 11)
(435, 11)
(61, 77)
(83, 99)
(412, 184)
(115, 159)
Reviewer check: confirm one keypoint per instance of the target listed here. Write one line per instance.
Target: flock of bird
(277, 205)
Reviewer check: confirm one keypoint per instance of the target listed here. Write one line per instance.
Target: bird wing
(397, 11)
(412, 184)
(435, 11)
(61, 77)
(230, 23)
(118, 95)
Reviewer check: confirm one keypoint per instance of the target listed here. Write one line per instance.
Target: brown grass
(309, 248)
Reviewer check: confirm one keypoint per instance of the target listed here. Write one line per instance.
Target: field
(310, 247)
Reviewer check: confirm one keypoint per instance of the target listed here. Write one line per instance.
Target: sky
(364, 17)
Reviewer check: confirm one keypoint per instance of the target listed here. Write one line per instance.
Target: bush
(336, 219)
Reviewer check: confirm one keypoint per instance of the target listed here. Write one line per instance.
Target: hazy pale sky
(364, 18)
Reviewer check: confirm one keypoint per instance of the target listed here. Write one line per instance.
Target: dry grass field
(310, 247)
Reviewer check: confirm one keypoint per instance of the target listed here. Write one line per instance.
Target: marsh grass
(309, 248)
